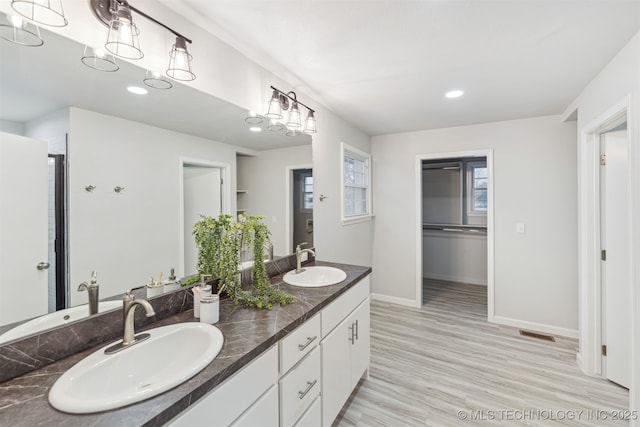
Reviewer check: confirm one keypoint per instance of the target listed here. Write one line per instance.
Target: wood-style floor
(436, 365)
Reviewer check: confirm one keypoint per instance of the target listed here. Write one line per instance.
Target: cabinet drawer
(313, 416)
(263, 413)
(299, 343)
(339, 309)
(230, 399)
(299, 388)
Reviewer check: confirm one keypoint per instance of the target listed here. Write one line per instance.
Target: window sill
(357, 219)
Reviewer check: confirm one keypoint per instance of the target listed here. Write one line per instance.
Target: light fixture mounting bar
(139, 12)
(294, 98)
(104, 9)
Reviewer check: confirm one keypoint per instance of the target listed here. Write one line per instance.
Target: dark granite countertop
(247, 334)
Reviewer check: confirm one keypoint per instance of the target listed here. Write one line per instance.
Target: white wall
(53, 128)
(336, 242)
(618, 81)
(455, 256)
(129, 236)
(534, 183)
(8, 126)
(264, 178)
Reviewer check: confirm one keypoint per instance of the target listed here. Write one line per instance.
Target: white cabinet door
(336, 376)
(359, 321)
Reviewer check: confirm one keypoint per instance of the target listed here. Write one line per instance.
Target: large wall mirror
(130, 171)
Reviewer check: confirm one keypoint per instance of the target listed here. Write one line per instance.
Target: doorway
(464, 221)
(606, 292)
(204, 186)
(302, 208)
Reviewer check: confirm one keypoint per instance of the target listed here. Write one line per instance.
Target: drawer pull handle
(310, 384)
(356, 329)
(308, 343)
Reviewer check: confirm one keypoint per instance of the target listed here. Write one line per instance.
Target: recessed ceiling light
(255, 129)
(137, 90)
(454, 93)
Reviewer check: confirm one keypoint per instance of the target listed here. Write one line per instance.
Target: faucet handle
(299, 246)
(94, 277)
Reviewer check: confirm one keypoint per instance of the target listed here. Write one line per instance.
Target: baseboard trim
(396, 300)
(457, 279)
(536, 327)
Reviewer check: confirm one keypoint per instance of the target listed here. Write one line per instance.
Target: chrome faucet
(93, 289)
(299, 253)
(129, 336)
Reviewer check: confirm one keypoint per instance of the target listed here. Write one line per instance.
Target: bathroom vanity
(292, 365)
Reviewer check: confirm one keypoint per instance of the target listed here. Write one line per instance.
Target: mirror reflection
(95, 177)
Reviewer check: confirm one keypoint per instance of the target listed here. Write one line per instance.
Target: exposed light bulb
(16, 21)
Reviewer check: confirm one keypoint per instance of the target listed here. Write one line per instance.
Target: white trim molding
(536, 327)
(395, 300)
(589, 270)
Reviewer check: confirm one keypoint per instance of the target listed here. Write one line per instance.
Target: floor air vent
(538, 336)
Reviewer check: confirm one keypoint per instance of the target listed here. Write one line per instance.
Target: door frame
(225, 195)
(590, 357)
(61, 231)
(288, 216)
(488, 154)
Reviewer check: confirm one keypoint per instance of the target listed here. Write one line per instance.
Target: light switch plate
(520, 227)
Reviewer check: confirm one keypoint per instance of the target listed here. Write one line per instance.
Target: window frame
(471, 189)
(357, 154)
(304, 176)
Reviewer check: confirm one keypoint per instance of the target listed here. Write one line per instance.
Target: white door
(615, 269)
(202, 196)
(23, 227)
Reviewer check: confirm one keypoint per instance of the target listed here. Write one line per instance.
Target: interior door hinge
(603, 255)
(221, 181)
(604, 350)
(603, 159)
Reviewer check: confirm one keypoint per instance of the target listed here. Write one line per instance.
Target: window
(307, 193)
(477, 188)
(356, 188)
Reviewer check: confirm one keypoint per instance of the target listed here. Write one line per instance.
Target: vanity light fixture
(281, 101)
(180, 61)
(157, 80)
(99, 59)
(20, 31)
(275, 126)
(253, 119)
(44, 12)
(122, 39)
(255, 129)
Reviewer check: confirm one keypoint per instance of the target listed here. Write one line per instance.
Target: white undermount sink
(171, 356)
(312, 277)
(57, 318)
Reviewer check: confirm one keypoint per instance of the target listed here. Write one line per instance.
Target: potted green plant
(219, 241)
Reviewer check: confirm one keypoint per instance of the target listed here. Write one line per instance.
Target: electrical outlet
(304, 256)
(520, 227)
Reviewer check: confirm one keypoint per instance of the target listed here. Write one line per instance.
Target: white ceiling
(384, 65)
